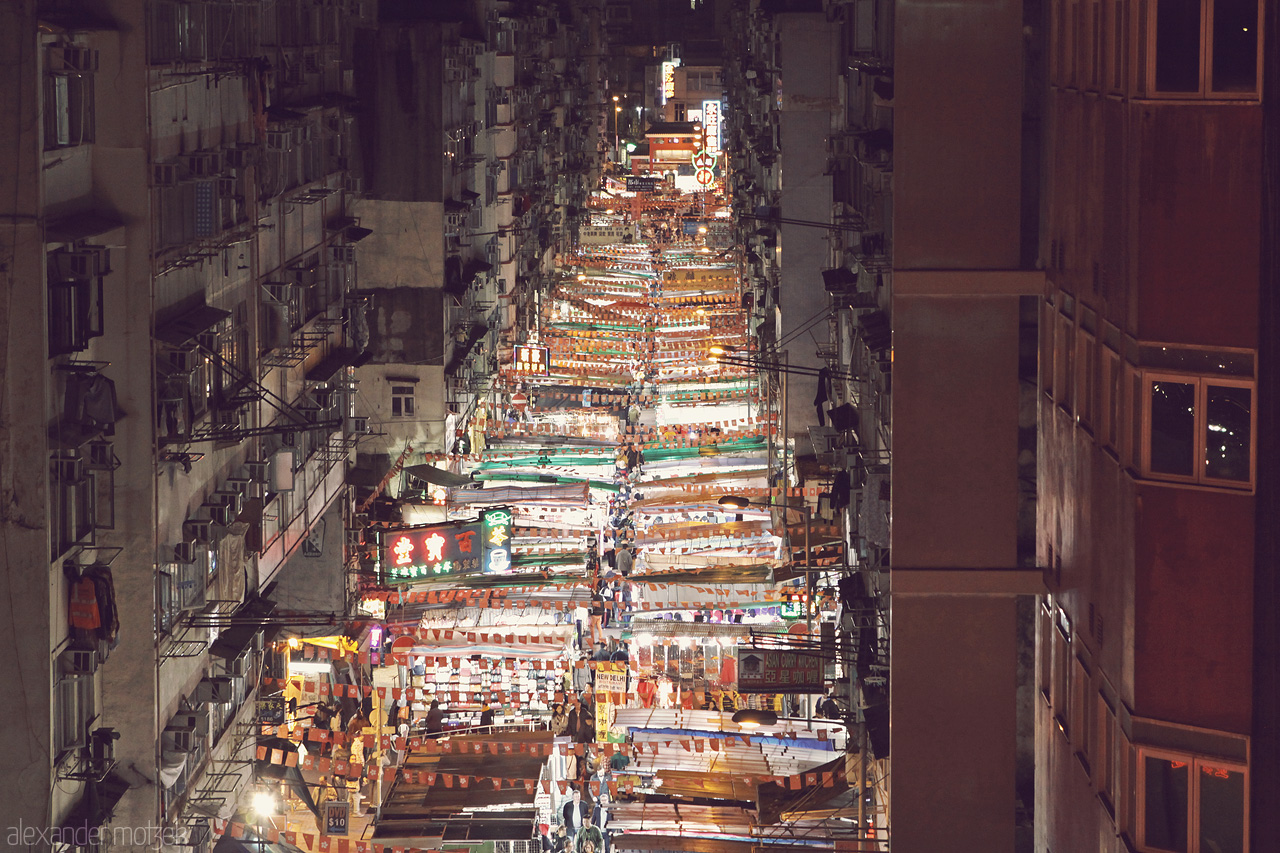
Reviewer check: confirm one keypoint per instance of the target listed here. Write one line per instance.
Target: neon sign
(668, 81)
(495, 526)
(427, 552)
(532, 360)
(711, 126)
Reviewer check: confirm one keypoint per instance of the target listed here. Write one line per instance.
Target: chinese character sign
(427, 552)
(495, 531)
(779, 671)
(532, 361)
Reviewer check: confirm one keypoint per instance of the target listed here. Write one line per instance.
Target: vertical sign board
(611, 683)
(668, 81)
(337, 817)
(432, 551)
(779, 671)
(711, 126)
(495, 533)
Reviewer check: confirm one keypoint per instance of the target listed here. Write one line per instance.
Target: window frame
(83, 688)
(1064, 362)
(1086, 379)
(1195, 762)
(1079, 729)
(1204, 90)
(1060, 686)
(79, 92)
(1105, 752)
(400, 395)
(1044, 654)
(1147, 378)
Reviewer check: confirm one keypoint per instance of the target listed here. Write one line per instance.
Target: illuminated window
(1198, 429)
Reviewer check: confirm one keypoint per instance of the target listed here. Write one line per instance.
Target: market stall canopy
(437, 476)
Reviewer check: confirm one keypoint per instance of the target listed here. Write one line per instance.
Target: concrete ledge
(997, 582)
(968, 282)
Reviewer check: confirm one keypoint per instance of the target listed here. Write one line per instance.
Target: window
(1204, 48)
(1104, 760)
(1117, 53)
(1198, 429)
(68, 96)
(1081, 731)
(402, 401)
(73, 502)
(1190, 804)
(75, 297)
(73, 710)
(1047, 330)
(1044, 642)
(1087, 380)
(1064, 361)
(1060, 696)
(1109, 411)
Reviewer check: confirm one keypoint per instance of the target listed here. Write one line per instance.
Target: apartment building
(1150, 455)
(180, 265)
(474, 183)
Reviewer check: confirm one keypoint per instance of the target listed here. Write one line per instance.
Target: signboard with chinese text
(711, 126)
(428, 552)
(643, 183)
(611, 683)
(779, 671)
(668, 81)
(495, 530)
(532, 361)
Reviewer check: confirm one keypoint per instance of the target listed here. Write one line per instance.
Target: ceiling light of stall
(310, 666)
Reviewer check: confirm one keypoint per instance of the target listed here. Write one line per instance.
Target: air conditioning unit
(87, 263)
(257, 471)
(79, 662)
(358, 426)
(181, 732)
(185, 552)
(204, 164)
(198, 529)
(184, 360)
(164, 174)
(342, 254)
(215, 689)
(229, 419)
(238, 156)
(240, 485)
(80, 60)
(101, 456)
(239, 667)
(279, 140)
(220, 514)
(69, 470)
(278, 292)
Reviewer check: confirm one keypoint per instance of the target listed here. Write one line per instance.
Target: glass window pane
(1235, 45)
(1178, 46)
(1228, 427)
(1173, 428)
(1165, 799)
(1221, 810)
